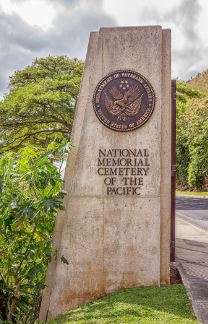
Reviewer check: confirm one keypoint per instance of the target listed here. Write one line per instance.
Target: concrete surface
(165, 183)
(193, 209)
(114, 242)
(192, 251)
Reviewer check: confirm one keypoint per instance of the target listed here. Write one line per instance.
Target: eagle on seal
(127, 104)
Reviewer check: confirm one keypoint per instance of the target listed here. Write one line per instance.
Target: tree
(196, 119)
(35, 123)
(185, 98)
(39, 107)
(31, 194)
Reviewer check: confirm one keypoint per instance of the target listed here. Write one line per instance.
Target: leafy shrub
(30, 195)
(192, 137)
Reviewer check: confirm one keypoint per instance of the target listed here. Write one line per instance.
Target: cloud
(67, 3)
(72, 27)
(61, 2)
(68, 34)
(189, 51)
(20, 42)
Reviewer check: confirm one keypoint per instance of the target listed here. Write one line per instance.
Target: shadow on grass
(167, 304)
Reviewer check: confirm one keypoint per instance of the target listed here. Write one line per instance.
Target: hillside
(200, 82)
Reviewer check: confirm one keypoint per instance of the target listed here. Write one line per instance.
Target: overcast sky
(37, 28)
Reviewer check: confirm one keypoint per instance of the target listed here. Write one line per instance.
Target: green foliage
(40, 105)
(186, 92)
(200, 82)
(35, 122)
(31, 194)
(167, 304)
(196, 118)
(192, 131)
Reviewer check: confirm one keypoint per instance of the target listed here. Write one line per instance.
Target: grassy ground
(145, 305)
(192, 193)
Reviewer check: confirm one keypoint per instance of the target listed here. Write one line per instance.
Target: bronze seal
(123, 100)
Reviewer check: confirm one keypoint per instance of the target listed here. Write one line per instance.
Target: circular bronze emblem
(124, 100)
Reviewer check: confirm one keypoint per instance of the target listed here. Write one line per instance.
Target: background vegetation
(30, 197)
(39, 107)
(36, 118)
(35, 124)
(192, 137)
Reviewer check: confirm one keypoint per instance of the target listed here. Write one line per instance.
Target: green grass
(193, 193)
(149, 305)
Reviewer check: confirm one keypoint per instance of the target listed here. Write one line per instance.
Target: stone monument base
(115, 230)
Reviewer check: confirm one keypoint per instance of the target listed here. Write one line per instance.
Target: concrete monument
(115, 229)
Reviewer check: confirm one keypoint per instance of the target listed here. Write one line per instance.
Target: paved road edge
(195, 305)
(191, 221)
(190, 196)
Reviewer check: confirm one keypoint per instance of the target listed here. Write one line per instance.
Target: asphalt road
(193, 209)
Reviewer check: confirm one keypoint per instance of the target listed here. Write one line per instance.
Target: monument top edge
(104, 30)
(107, 29)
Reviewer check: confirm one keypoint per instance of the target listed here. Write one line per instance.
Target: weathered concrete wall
(165, 182)
(113, 242)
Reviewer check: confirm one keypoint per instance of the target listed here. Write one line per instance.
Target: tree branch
(26, 136)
